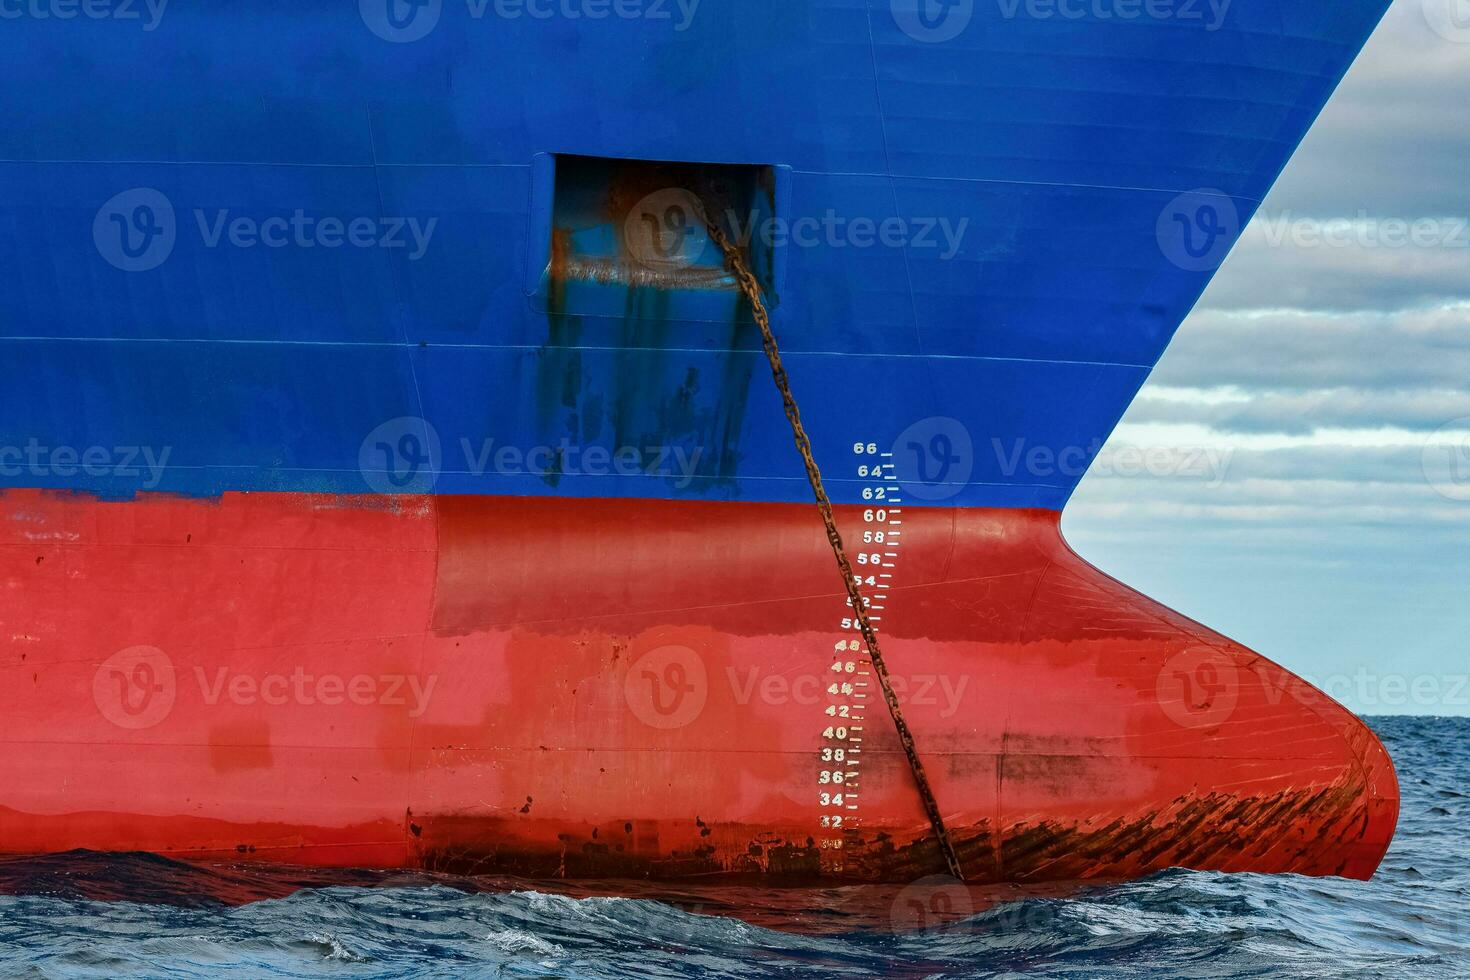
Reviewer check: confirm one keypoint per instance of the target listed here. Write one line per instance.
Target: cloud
(1390, 147)
(1393, 140)
(1296, 350)
(1381, 464)
(1311, 411)
(1330, 528)
(1345, 262)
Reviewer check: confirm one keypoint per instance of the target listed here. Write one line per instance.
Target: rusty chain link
(745, 279)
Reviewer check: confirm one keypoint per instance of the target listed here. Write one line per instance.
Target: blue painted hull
(267, 356)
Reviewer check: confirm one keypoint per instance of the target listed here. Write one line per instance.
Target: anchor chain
(750, 287)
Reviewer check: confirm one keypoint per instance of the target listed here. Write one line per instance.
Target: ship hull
(390, 472)
(605, 689)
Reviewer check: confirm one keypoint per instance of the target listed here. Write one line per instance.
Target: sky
(1296, 472)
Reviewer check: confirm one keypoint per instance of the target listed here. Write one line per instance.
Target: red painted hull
(615, 689)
